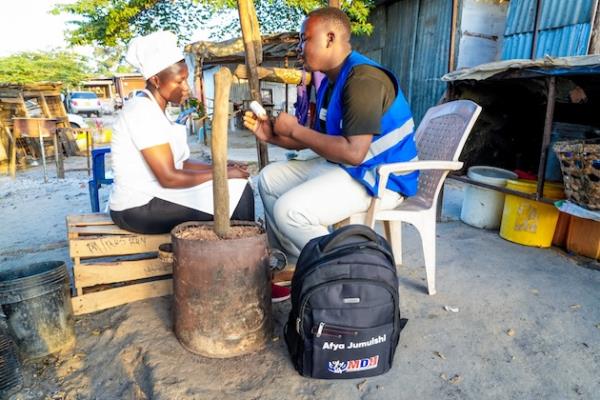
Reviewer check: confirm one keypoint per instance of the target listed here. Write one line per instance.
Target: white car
(84, 103)
(76, 121)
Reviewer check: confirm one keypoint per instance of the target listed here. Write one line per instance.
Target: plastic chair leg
(428, 240)
(94, 200)
(393, 233)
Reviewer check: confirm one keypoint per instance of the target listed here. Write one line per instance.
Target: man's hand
(285, 124)
(260, 126)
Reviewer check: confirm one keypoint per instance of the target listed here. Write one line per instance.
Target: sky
(26, 25)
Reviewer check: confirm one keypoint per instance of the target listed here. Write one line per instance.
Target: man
(362, 121)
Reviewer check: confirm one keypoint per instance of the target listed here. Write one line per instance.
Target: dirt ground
(527, 324)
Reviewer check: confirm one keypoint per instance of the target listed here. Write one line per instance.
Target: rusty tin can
(222, 293)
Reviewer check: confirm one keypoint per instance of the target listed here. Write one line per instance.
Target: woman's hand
(235, 172)
(238, 164)
(260, 126)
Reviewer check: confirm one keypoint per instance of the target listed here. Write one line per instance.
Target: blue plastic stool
(98, 176)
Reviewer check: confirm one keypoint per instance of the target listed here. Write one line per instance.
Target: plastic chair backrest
(441, 136)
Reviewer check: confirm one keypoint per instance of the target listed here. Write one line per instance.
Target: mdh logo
(363, 364)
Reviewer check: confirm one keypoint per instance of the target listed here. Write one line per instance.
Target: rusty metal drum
(221, 292)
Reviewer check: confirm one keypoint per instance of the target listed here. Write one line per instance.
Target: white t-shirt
(140, 125)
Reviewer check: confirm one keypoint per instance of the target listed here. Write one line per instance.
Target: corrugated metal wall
(412, 38)
(564, 28)
(432, 48)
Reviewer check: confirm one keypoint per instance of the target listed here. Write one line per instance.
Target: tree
(53, 66)
(272, 17)
(115, 22)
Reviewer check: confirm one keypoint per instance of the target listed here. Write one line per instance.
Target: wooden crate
(583, 237)
(104, 273)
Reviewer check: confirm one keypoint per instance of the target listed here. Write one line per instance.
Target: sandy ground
(548, 300)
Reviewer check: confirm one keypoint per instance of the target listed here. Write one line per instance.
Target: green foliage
(108, 60)
(115, 22)
(110, 24)
(53, 66)
(273, 16)
(357, 10)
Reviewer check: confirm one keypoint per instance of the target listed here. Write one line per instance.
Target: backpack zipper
(299, 325)
(326, 329)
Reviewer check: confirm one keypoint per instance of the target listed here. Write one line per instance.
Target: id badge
(323, 114)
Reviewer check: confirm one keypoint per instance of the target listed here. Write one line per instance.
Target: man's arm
(341, 149)
(262, 128)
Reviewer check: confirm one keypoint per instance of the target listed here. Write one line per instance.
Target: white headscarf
(152, 53)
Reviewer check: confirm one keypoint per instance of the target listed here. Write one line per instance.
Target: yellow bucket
(80, 139)
(530, 222)
(98, 137)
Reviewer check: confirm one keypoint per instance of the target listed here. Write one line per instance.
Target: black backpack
(345, 319)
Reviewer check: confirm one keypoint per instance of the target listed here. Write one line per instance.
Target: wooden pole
(334, 3)
(453, 27)
(219, 151)
(12, 168)
(289, 76)
(550, 104)
(253, 48)
(41, 138)
(203, 100)
(536, 27)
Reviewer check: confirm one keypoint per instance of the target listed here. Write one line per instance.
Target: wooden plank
(116, 245)
(89, 219)
(10, 100)
(77, 231)
(36, 93)
(111, 272)
(109, 298)
(44, 104)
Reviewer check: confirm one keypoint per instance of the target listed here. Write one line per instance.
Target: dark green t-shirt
(367, 95)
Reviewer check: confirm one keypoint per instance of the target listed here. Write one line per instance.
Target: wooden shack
(40, 100)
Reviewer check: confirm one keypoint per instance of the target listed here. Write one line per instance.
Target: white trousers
(303, 198)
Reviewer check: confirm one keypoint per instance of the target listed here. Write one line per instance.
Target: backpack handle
(348, 232)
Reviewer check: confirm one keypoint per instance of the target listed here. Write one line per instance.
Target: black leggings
(160, 216)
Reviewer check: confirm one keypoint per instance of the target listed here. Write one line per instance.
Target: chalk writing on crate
(108, 244)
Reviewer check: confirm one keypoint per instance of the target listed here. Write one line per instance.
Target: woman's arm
(196, 165)
(160, 160)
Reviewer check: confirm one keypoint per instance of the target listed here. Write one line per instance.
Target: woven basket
(580, 165)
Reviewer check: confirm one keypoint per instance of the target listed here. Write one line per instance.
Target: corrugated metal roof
(564, 28)
(562, 42)
(521, 17)
(517, 46)
(559, 13)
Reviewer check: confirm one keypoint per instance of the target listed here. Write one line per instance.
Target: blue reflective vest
(395, 143)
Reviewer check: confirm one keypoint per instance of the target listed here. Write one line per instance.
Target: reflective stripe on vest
(394, 144)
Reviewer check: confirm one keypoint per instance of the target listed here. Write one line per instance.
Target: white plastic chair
(440, 139)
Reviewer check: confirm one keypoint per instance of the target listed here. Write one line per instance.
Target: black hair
(334, 16)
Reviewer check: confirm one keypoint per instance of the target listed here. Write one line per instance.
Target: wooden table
(39, 128)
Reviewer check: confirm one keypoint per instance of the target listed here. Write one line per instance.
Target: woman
(156, 185)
